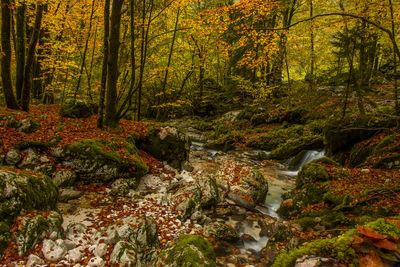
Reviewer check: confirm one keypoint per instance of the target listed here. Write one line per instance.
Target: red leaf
(386, 244)
(368, 232)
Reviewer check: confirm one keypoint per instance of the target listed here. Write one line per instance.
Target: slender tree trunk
(396, 91)
(90, 72)
(312, 63)
(171, 51)
(100, 120)
(145, 37)
(6, 56)
(20, 51)
(113, 70)
(26, 93)
(85, 50)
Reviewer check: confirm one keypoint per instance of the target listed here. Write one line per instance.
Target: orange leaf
(370, 260)
(386, 244)
(368, 232)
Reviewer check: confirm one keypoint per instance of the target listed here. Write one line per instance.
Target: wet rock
(13, 157)
(34, 261)
(222, 232)
(64, 177)
(188, 250)
(187, 167)
(250, 190)
(69, 194)
(52, 251)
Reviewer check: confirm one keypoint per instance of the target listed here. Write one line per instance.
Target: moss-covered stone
(325, 160)
(294, 146)
(5, 235)
(190, 251)
(76, 109)
(338, 248)
(222, 232)
(311, 173)
(23, 191)
(96, 160)
(167, 144)
(358, 155)
(34, 229)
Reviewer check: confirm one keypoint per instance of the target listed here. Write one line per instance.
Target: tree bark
(113, 70)
(100, 120)
(396, 92)
(20, 51)
(26, 93)
(6, 57)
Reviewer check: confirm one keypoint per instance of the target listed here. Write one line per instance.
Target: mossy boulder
(35, 228)
(190, 251)
(23, 191)
(222, 232)
(311, 173)
(19, 192)
(249, 190)
(98, 161)
(167, 144)
(76, 109)
(338, 248)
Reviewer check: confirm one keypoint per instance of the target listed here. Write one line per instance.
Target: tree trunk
(113, 70)
(6, 57)
(396, 92)
(85, 50)
(312, 63)
(100, 120)
(26, 93)
(20, 51)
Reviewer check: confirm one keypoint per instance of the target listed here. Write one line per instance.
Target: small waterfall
(306, 157)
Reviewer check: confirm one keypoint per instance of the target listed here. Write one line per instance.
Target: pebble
(34, 260)
(96, 262)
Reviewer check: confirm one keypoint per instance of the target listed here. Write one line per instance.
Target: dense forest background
(163, 59)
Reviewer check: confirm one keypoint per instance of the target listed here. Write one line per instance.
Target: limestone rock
(52, 251)
(13, 157)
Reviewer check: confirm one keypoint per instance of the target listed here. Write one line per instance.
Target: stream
(280, 178)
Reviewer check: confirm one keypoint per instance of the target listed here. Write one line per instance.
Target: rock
(69, 194)
(150, 183)
(124, 253)
(76, 109)
(311, 173)
(23, 191)
(188, 250)
(93, 164)
(222, 232)
(96, 262)
(249, 190)
(312, 261)
(75, 230)
(52, 251)
(28, 126)
(75, 255)
(100, 250)
(30, 160)
(120, 187)
(186, 208)
(196, 216)
(365, 171)
(34, 261)
(13, 157)
(187, 167)
(34, 229)
(64, 177)
(167, 144)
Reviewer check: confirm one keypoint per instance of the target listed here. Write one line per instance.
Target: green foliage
(338, 248)
(384, 227)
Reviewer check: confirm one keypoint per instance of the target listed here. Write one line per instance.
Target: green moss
(311, 173)
(190, 251)
(141, 167)
(326, 160)
(5, 235)
(307, 222)
(294, 146)
(384, 227)
(388, 140)
(76, 109)
(94, 148)
(388, 162)
(338, 248)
